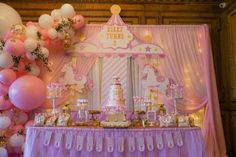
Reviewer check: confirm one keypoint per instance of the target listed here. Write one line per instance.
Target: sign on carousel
(115, 38)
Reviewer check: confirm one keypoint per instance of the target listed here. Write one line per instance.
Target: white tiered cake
(115, 108)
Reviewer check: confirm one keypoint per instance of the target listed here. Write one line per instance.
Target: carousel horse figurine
(154, 79)
(70, 78)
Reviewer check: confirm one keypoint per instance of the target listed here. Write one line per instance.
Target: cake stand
(54, 92)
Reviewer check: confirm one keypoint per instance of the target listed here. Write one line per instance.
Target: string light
(198, 117)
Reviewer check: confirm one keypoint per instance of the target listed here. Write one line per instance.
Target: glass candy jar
(82, 114)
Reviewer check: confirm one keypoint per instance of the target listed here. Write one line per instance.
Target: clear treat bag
(39, 119)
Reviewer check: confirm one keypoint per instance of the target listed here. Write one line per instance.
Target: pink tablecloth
(87, 142)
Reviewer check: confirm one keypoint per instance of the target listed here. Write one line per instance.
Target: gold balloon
(67, 41)
(82, 37)
(1, 46)
(147, 37)
(3, 141)
(66, 44)
(115, 9)
(18, 29)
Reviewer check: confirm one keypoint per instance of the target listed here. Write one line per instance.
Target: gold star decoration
(82, 37)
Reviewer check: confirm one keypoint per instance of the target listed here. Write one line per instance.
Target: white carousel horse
(69, 77)
(154, 79)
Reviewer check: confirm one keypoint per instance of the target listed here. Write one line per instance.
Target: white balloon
(45, 51)
(16, 140)
(8, 113)
(5, 122)
(56, 14)
(30, 56)
(34, 70)
(30, 44)
(67, 10)
(45, 21)
(6, 60)
(31, 32)
(52, 33)
(3, 152)
(8, 17)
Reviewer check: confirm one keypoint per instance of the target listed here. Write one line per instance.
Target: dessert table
(95, 142)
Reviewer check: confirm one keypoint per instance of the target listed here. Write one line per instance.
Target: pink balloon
(21, 38)
(29, 123)
(20, 117)
(5, 103)
(17, 150)
(7, 76)
(27, 92)
(56, 24)
(3, 89)
(10, 151)
(21, 67)
(7, 35)
(15, 47)
(46, 43)
(78, 21)
(44, 33)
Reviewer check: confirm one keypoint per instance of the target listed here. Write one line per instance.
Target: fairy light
(199, 50)
(199, 36)
(198, 117)
(201, 81)
(187, 79)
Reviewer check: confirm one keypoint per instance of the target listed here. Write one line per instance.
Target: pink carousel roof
(115, 38)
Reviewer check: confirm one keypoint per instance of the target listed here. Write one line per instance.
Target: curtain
(188, 61)
(94, 96)
(102, 73)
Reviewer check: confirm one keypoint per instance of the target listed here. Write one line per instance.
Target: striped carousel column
(113, 66)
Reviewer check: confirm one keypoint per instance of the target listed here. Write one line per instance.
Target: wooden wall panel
(228, 55)
(228, 75)
(229, 124)
(232, 42)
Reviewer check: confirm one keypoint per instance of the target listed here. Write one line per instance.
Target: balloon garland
(23, 50)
